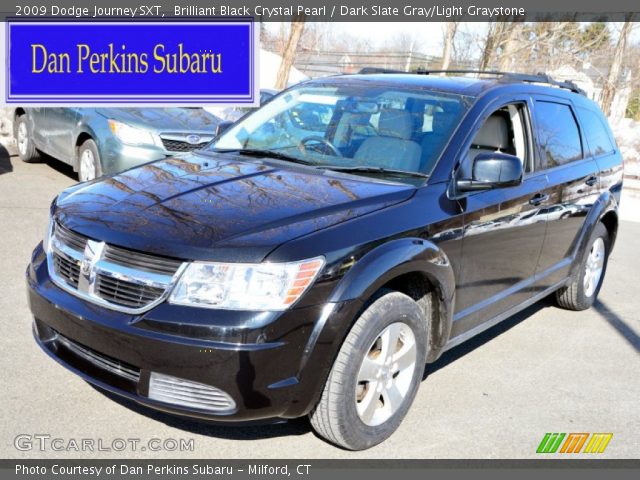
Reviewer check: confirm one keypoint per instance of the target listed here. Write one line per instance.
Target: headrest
(494, 133)
(395, 123)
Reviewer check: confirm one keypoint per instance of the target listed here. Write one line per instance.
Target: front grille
(111, 276)
(185, 393)
(67, 269)
(98, 359)
(126, 294)
(180, 146)
(141, 261)
(70, 238)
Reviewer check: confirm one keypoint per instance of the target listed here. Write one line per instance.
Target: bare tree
(449, 38)
(611, 84)
(491, 43)
(289, 55)
(512, 44)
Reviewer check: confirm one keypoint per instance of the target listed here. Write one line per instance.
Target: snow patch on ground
(627, 133)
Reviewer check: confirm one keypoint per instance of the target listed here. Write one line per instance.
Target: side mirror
(222, 126)
(493, 170)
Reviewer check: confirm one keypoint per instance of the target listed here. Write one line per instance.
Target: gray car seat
(393, 147)
(492, 137)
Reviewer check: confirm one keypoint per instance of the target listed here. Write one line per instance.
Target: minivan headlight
(242, 286)
(130, 135)
(46, 241)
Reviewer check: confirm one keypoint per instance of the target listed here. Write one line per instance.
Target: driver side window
(506, 130)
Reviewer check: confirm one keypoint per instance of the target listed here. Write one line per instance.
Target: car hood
(164, 119)
(218, 208)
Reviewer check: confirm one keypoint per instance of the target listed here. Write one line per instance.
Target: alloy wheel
(87, 166)
(385, 375)
(23, 138)
(594, 267)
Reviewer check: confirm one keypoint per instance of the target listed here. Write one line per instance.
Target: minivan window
(558, 134)
(595, 132)
(368, 129)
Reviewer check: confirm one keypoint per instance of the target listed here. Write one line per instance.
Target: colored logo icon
(574, 443)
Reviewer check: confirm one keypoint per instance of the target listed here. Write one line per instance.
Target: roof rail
(374, 70)
(505, 76)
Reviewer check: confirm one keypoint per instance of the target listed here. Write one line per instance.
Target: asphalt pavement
(544, 370)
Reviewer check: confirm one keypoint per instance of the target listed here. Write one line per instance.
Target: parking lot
(545, 370)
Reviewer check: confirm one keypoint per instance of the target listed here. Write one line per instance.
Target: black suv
(313, 257)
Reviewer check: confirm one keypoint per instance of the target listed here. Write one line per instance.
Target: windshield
(364, 129)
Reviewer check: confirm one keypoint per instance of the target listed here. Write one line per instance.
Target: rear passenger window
(595, 132)
(558, 134)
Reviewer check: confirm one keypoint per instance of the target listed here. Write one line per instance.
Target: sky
(429, 34)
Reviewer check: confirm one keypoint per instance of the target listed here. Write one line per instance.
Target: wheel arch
(415, 267)
(82, 136)
(605, 211)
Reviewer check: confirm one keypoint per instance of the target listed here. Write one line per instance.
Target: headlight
(130, 135)
(238, 286)
(46, 241)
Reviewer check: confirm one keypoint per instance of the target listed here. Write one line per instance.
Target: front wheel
(89, 166)
(376, 375)
(583, 290)
(26, 149)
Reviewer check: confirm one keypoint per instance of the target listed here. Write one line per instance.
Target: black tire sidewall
(383, 312)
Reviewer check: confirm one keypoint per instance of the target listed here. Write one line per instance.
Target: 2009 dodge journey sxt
(320, 251)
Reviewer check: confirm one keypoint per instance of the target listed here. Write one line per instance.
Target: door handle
(591, 181)
(538, 198)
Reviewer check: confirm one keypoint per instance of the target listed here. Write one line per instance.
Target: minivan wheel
(585, 286)
(26, 149)
(376, 374)
(89, 166)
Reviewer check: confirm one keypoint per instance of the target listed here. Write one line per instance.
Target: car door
(61, 124)
(572, 189)
(37, 119)
(503, 233)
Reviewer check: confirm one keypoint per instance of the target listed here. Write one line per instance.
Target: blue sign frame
(190, 63)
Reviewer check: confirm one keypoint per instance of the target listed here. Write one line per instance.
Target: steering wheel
(324, 141)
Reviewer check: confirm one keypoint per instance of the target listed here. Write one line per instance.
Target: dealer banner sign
(147, 63)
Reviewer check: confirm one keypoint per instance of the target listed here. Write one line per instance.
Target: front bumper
(272, 364)
(117, 156)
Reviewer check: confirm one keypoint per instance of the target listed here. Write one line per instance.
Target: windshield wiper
(380, 170)
(254, 152)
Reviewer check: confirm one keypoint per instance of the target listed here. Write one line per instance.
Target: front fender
(398, 257)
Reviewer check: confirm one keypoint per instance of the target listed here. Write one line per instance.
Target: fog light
(184, 393)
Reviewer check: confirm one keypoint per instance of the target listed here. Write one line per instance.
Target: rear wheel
(89, 166)
(376, 375)
(585, 286)
(26, 149)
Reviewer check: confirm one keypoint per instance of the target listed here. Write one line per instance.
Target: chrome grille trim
(112, 277)
(185, 393)
(142, 261)
(102, 361)
(70, 238)
(178, 141)
(67, 269)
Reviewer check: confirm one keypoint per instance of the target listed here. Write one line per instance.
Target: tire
(89, 166)
(341, 416)
(26, 149)
(580, 294)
